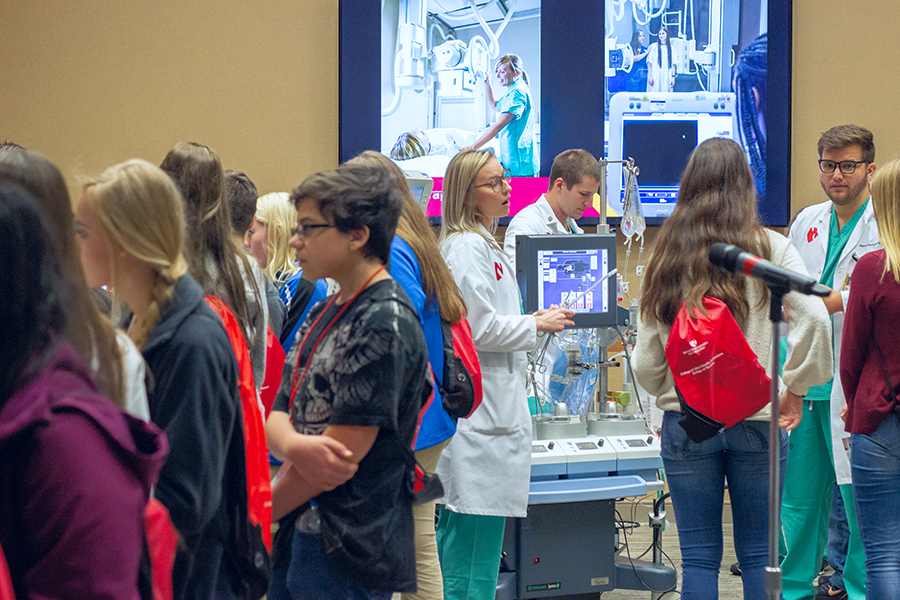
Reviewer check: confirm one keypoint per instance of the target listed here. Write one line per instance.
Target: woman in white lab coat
(486, 468)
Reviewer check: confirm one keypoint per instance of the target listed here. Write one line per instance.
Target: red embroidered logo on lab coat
(812, 234)
(498, 270)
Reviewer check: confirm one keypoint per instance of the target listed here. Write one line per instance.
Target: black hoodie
(194, 398)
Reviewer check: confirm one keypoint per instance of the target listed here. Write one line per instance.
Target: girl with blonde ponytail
(132, 239)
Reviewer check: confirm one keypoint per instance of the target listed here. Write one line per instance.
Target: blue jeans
(875, 467)
(696, 474)
(838, 538)
(308, 576)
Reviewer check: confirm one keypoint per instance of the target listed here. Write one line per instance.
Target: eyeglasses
(846, 166)
(497, 182)
(304, 231)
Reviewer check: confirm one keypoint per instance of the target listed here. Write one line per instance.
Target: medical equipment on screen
(659, 130)
(710, 64)
(619, 57)
(451, 68)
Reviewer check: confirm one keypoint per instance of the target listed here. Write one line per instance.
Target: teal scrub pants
(806, 506)
(469, 547)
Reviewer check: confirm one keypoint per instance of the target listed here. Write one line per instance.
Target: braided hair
(141, 213)
(749, 73)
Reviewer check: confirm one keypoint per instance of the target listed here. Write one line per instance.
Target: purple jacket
(75, 474)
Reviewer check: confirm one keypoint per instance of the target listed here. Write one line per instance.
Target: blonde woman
(486, 468)
(132, 239)
(267, 241)
(514, 122)
(869, 356)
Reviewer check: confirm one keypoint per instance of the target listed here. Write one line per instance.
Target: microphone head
(724, 255)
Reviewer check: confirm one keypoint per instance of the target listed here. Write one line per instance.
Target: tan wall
(92, 83)
(842, 73)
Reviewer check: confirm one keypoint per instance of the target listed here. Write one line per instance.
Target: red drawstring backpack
(718, 378)
(460, 388)
(259, 489)
(252, 542)
(274, 366)
(162, 545)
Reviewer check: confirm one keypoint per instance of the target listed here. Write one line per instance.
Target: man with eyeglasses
(574, 179)
(830, 236)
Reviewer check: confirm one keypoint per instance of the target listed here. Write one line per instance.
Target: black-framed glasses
(304, 231)
(846, 166)
(497, 182)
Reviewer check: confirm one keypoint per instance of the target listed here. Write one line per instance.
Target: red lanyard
(296, 384)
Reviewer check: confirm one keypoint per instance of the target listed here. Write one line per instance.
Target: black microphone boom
(735, 260)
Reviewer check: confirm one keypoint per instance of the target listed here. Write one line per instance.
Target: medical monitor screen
(660, 140)
(570, 271)
(574, 279)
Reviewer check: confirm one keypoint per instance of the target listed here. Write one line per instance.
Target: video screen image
(570, 277)
(445, 87)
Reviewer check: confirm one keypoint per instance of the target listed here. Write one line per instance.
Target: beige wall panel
(843, 72)
(92, 83)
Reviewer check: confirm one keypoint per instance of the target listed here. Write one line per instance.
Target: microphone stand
(773, 571)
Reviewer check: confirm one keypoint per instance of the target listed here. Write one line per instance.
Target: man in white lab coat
(574, 179)
(830, 236)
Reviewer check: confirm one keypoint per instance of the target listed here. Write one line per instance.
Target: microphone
(735, 260)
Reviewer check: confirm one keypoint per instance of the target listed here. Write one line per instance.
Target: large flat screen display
(632, 78)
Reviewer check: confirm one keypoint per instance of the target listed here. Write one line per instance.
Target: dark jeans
(838, 539)
(875, 467)
(307, 575)
(696, 474)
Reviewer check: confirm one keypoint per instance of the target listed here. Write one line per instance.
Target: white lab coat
(809, 234)
(486, 469)
(534, 219)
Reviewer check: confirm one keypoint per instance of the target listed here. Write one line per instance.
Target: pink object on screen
(525, 191)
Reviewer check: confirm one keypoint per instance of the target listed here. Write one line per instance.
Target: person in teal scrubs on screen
(514, 124)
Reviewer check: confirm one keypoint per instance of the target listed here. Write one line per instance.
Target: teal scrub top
(837, 240)
(517, 138)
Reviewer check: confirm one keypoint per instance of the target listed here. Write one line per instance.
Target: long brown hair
(716, 203)
(413, 228)
(90, 332)
(197, 171)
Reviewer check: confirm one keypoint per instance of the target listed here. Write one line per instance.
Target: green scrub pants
(806, 506)
(469, 547)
